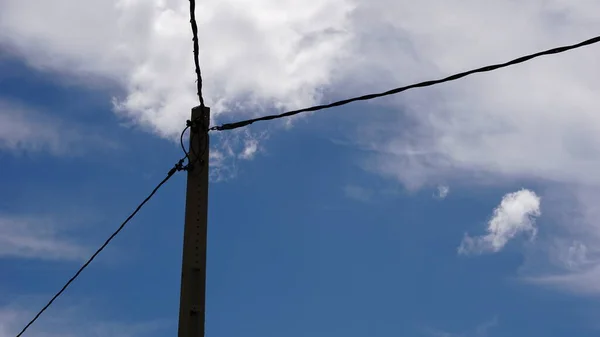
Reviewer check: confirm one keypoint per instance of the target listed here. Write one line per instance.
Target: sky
(466, 209)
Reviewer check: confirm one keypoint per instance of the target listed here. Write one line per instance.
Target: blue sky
(329, 225)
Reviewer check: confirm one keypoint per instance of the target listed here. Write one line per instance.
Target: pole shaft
(193, 271)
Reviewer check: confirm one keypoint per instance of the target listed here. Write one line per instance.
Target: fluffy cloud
(285, 54)
(513, 216)
(491, 123)
(253, 55)
(535, 120)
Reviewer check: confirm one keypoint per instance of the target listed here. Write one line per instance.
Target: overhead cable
(177, 167)
(196, 51)
(236, 125)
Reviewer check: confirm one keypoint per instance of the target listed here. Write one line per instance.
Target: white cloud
(442, 191)
(535, 120)
(250, 148)
(230, 147)
(285, 53)
(36, 238)
(253, 55)
(515, 214)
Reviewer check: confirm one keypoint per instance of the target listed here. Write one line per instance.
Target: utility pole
(193, 271)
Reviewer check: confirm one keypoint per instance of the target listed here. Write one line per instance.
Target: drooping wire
(187, 154)
(195, 127)
(177, 167)
(236, 125)
(196, 51)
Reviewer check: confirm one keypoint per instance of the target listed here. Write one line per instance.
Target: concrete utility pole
(193, 271)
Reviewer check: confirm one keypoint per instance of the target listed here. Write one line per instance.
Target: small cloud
(576, 255)
(230, 148)
(358, 193)
(222, 167)
(515, 214)
(442, 192)
(250, 149)
(252, 143)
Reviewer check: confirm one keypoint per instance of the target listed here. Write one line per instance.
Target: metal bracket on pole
(193, 271)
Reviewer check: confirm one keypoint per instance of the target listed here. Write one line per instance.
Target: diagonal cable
(176, 168)
(236, 125)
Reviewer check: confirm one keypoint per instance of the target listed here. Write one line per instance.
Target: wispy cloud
(250, 149)
(482, 330)
(26, 129)
(515, 214)
(358, 193)
(70, 322)
(21, 129)
(252, 143)
(572, 246)
(36, 238)
(231, 147)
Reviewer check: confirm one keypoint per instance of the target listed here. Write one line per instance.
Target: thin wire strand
(169, 175)
(236, 125)
(187, 154)
(196, 52)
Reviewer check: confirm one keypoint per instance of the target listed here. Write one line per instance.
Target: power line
(177, 167)
(198, 78)
(196, 52)
(231, 126)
